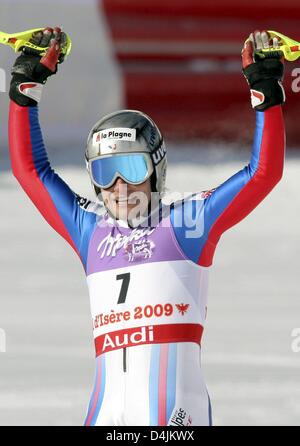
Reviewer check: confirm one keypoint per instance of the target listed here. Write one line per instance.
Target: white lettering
(145, 334)
(296, 82)
(123, 436)
(110, 245)
(107, 343)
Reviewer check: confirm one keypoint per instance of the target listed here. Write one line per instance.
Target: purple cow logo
(142, 248)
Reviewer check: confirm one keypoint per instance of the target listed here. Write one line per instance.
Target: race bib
(150, 303)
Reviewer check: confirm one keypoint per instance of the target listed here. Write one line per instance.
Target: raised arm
(237, 197)
(228, 204)
(59, 205)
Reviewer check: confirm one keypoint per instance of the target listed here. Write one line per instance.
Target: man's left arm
(233, 200)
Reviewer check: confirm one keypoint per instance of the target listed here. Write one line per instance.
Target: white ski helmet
(147, 138)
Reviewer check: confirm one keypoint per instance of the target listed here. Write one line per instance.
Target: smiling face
(126, 201)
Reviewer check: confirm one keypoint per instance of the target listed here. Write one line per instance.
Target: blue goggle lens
(132, 168)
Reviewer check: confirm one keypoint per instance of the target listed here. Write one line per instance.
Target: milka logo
(110, 245)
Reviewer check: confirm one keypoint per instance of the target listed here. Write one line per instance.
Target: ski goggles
(133, 168)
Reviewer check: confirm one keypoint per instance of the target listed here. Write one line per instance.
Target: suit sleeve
(233, 200)
(58, 204)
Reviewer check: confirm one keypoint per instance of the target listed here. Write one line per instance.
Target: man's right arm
(51, 195)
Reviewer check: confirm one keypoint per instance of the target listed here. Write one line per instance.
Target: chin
(122, 215)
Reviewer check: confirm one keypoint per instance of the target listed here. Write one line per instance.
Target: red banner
(153, 334)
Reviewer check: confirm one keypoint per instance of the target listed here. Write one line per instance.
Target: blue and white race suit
(148, 285)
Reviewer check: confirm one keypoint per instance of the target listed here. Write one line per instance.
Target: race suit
(147, 285)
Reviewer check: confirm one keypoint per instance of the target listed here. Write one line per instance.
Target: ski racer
(147, 270)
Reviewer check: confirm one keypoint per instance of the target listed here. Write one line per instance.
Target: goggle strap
(158, 154)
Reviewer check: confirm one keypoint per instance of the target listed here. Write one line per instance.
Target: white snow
(46, 375)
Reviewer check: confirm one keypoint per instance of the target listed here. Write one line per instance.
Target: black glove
(31, 71)
(263, 71)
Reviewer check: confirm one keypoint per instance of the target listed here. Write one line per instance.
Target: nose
(119, 183)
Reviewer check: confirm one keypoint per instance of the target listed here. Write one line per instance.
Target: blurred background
(179, 62)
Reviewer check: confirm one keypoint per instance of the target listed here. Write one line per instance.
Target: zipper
(124, 360)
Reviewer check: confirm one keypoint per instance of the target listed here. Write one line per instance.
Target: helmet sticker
(117, 134)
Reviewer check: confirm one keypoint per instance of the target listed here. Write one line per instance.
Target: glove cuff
(266, 94)
(32, 90)
(25, 92)
(264, 78)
